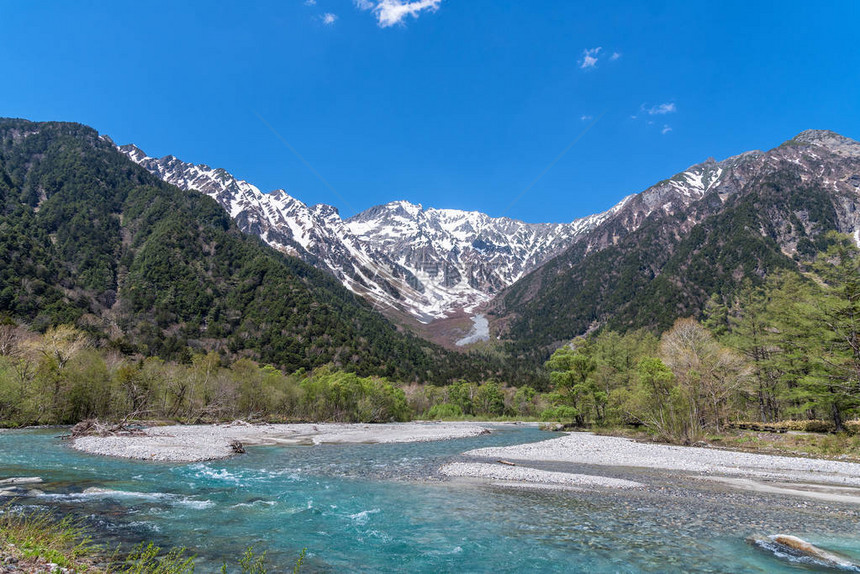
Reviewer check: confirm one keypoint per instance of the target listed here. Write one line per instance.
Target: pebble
(585, 448)
(196, 443)
(532, 475)
(10, 563)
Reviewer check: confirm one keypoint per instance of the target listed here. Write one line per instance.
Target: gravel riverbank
(812, 478)
(574, 456)
(208, 442)
(585, 448)
(521, 474)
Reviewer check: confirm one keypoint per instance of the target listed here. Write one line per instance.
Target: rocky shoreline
(820, 479)
(14, 561)
(521, 475)
(197, 443)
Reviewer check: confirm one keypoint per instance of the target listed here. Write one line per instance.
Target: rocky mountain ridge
(139, 267)
(698, 234)
(424, 262)
(431, 263)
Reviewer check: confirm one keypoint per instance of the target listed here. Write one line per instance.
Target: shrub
(444, 411)
(561, 413)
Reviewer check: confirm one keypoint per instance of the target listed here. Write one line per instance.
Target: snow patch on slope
(429, 263)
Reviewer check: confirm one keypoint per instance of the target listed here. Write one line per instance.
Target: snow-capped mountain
(428, 263)
(460, 259)
(431, 263)
(702, 233)
(717, 182)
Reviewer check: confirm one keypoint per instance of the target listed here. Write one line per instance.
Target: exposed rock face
(427, 263)
(750, 213)
(815, 157)
(667, 249)
(460, 259)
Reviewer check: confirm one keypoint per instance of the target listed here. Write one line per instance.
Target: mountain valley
(417, 264)
(543, 283)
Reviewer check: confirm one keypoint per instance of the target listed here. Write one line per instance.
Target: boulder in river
(18, 480)
(794, 549)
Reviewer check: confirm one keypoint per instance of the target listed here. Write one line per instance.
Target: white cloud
(615, 56)
(660, 110)
(328, 18)
(589, 58)
(586, 117)
(392, 12)
(310, 2)
(646, 112)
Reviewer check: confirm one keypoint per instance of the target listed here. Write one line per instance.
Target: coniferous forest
(89, 239)
(429, 286)
(124, 296)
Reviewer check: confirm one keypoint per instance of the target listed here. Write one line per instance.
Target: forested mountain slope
(700, 233)
(413, 262)
(89, 238)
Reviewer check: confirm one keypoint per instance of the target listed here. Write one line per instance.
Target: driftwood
(94, 427)
(237, 447)
(239, 423)
(507, 462)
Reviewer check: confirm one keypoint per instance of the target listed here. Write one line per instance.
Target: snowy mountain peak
(326, 211)
(432, 263)
(427, 263)
(133, 152)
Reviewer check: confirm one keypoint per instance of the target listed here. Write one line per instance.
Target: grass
(37, 538)
(38, 535)
(149, 559)
(840, 446)
(479, 418)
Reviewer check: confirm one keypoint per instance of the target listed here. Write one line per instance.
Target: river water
(480, 331)
(383, 508)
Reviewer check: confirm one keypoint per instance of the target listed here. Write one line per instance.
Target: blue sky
(449, 103)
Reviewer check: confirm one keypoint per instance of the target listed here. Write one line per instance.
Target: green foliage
(444, 411)
(148, 559)
(523, 402)
(666, 269)
(489, 399)
(658, 402)
(64, 542)
(835, 373)
(560, 413)
(801, 336)
(254, 564)
(571, 373)
(92, 240)
(45, 382)
(462, 394)
(300, 561)
(345, 397)
(38, 533)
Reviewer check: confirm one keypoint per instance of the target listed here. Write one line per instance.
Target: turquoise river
(384, 508)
